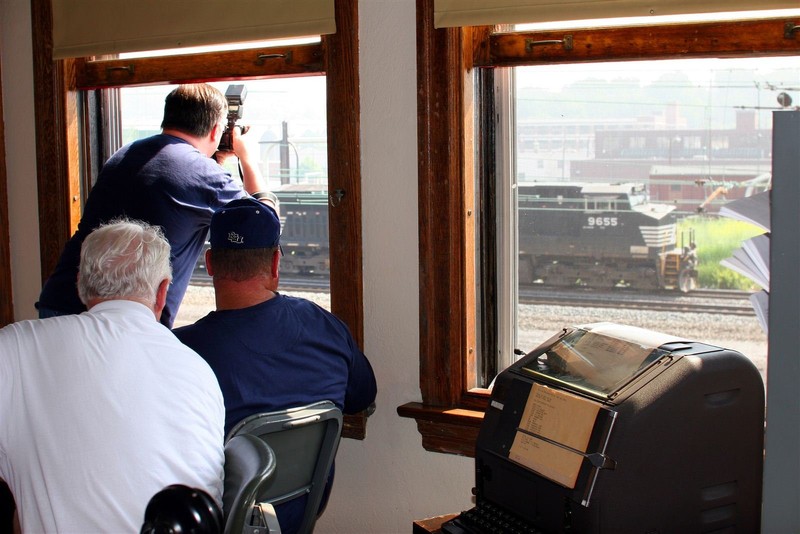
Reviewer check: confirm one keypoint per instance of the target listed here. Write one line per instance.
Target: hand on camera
(241, 145)
(232, 144)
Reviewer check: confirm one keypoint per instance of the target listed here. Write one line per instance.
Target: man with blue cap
(271, 351)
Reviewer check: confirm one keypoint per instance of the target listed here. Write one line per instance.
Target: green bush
(717, 238)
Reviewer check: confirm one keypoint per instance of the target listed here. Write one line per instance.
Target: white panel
(84, 28)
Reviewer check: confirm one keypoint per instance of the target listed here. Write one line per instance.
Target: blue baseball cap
(245, 223)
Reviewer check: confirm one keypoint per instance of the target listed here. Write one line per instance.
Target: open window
(471, 198)
(76, 95)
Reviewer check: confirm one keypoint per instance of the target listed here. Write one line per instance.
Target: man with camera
(173, 180)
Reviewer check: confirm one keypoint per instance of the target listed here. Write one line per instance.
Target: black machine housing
(677, 446)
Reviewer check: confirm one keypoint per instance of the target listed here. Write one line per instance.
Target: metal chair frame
(305, 441)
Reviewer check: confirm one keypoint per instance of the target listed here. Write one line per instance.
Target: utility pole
(284, 153)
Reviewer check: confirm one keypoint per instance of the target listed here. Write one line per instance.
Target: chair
(305, 440)
(249, 466)
(180, 508)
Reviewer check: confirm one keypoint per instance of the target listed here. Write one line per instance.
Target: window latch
(531, 43)
(261, 58)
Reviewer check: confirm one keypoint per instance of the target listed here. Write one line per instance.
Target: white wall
(388, 480)
(23, 213)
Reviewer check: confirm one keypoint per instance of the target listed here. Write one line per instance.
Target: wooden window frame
(451, 411)
(56, 89)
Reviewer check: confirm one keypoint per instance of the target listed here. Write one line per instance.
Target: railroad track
(701, 301)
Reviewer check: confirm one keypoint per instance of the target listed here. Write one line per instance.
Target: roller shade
(97, 27)
(448, 13)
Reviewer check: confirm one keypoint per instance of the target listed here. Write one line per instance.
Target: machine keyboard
(486, 518)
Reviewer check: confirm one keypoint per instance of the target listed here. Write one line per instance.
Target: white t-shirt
(100, 411)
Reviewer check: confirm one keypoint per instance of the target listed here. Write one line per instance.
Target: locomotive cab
(599, 235)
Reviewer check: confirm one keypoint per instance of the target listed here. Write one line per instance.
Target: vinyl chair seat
(305, 440)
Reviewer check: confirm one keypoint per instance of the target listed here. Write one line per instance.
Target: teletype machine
(614, 429)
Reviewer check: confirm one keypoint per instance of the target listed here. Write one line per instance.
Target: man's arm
(361, 386)
(254, 183)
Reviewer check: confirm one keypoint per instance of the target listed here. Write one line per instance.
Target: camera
(235, 95)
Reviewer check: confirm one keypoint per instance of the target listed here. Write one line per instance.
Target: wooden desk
(432, 525)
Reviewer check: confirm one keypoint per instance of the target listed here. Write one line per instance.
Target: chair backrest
(305, 440)
(180, 508)
(249, 465)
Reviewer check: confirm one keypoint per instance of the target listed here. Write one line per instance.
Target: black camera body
(235, 94)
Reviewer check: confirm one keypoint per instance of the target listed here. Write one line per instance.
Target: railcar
(304, 229)
(601, 235)
(570, 234)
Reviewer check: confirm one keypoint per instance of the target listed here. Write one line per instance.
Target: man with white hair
(100, 411)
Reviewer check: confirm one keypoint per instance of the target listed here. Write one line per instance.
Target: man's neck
(232, 295)
(197, 142)
(94, 302)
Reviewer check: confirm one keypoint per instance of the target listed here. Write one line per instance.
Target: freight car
(304, 229)
(570, 234)
(601, 235)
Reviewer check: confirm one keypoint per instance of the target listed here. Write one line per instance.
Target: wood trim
(344, 173)
(431, 525)
(55, 112)
(344, 168)
(219, 66)
(447, 260)
(447, 430)
(6, 303)
(441, 139)
(481, 41)
(673, 41)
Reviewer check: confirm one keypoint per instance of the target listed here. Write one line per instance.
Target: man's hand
(241, 145)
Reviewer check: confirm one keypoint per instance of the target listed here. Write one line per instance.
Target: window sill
(450, 430)
(354, 426)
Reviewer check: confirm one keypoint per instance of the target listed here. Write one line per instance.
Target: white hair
(123, 259)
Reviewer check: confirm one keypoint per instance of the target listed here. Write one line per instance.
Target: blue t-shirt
(282, 353)
(161, 180)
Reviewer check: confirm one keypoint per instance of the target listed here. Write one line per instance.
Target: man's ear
(213, 140)
(161, 297)
(217, 130)
(276, 264)
(209, 268)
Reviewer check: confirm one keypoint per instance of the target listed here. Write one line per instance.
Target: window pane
(287, 119)
(621, 168)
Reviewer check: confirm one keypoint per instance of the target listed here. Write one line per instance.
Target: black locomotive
(570, 234)
(600, 235)
(304, 229)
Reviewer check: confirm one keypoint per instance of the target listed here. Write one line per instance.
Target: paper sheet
(563, 418)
